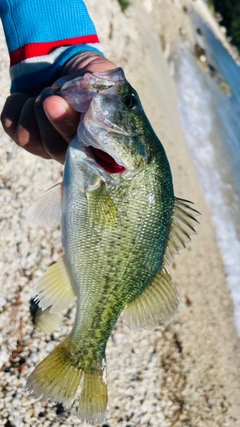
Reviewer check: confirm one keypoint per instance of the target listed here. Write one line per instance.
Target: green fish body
(120, 226)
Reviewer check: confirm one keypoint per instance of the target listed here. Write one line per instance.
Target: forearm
(42, 35)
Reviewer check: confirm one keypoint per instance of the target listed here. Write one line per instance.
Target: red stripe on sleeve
(38, 49)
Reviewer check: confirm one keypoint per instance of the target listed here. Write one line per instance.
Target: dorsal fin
(156, 304)
(160, 300)
(182, 227)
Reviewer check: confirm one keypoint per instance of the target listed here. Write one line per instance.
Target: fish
(121, 224)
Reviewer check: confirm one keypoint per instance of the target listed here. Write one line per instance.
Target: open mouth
(105, 161)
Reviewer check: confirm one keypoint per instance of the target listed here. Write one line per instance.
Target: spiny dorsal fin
(160, 300)
(182, 227)
(46, 211)
(155, 305)
(54, 288)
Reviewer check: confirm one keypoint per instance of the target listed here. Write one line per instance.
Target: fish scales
(121, 224)
(113, 267)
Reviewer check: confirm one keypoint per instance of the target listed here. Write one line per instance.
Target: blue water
(211, 122)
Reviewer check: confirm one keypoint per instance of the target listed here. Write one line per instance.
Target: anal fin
(54, 288)
(47, 322)
(155, 305)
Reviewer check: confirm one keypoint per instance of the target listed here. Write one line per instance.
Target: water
(211, 122)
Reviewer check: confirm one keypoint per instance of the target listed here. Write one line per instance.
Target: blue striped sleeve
(42, 35)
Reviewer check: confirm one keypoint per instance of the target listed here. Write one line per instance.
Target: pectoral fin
(101, 209)
(46, 211)
(54, 288)
(155, 305)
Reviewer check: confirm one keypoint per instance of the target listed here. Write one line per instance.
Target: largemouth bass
(120, 224)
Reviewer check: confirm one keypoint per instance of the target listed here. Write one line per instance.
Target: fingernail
(54, 110)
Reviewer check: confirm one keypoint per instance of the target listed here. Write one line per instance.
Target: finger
(27, 134)
(87, 61)
(62, 117)
(11, 113)
(53, 142)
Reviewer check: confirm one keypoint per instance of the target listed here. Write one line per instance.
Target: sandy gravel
(185, 373)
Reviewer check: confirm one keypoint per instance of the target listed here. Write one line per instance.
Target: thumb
(61, 116)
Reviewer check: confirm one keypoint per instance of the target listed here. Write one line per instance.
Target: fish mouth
(105, 161)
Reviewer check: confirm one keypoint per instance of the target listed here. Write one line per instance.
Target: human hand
(46, 124)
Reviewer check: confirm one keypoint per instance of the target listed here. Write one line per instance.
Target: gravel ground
(185, 373)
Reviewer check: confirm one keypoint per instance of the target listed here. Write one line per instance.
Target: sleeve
(42, 35)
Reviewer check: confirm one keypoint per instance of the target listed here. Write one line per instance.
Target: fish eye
(130, 101)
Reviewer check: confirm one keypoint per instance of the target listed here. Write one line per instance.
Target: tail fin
(58, 379)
